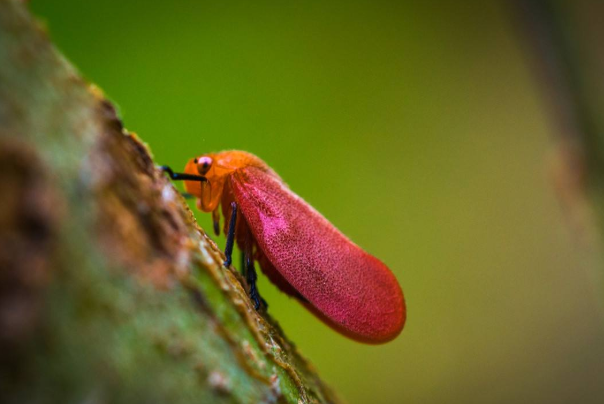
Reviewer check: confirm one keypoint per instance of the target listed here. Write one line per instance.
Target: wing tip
(387, 331)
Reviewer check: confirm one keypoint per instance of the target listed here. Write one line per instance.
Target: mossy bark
(109, 291)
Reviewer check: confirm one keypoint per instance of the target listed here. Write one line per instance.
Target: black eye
(195, 160)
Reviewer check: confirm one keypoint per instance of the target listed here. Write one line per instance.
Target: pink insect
(296, 247)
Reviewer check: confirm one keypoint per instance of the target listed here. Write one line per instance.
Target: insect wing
(350, 290)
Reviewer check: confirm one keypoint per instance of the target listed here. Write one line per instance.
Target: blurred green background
(418, 130)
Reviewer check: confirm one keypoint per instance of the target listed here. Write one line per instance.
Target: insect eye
(203, 164)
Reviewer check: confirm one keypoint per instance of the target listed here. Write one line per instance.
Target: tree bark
(109, 291)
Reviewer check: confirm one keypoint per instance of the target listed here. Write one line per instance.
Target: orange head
(216, 167)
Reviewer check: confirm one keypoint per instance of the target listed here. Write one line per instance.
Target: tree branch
(109, 291)
(564, 43)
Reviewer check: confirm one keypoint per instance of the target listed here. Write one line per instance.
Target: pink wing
(350, 290)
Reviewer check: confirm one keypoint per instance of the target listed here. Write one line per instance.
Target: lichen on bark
(109, 291)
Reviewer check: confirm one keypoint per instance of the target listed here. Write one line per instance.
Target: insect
(296, 247)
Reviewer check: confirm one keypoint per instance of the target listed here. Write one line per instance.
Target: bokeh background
(418, 130)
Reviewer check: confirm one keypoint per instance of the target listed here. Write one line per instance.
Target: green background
(418, 130)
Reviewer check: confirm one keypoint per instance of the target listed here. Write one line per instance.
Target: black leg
(250, 271)
(216, 221)
(182, 176)
(251, 280)
(228, 250)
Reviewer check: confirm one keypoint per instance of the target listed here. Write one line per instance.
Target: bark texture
(109, 291)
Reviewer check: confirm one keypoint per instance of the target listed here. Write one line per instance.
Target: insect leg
(252, 277)
(228, 250)
(182, 176)
(216, 221)
(250, 271)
